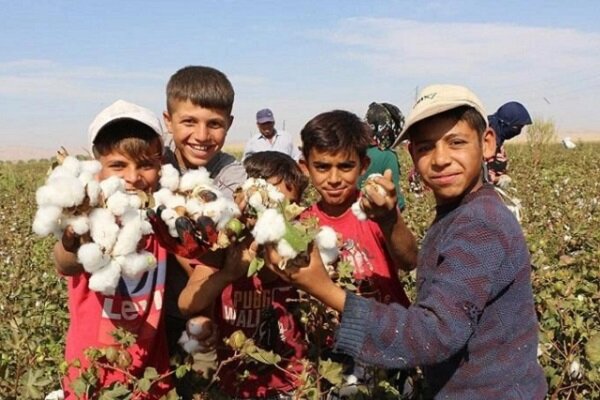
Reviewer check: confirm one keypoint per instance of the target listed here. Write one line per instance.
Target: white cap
(122, 109)
(435, 99)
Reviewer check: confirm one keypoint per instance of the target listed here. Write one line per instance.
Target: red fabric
(136, 306)
(240, 308)
(364, 246)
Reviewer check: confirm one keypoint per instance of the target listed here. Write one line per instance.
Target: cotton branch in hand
(104, 211)
(195, 196)
(277, 223)
(370, 182)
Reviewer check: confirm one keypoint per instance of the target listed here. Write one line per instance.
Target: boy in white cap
(127, 141)
(472, 328)
(269, 138)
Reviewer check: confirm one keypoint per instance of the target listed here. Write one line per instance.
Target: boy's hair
(464, 113)
(129, 137)
(269, 164)
(336, 131)
(204, 86)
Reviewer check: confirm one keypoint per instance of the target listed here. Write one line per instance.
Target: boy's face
(143, 175)
(199, 133)
(335, 176)
(449, 156)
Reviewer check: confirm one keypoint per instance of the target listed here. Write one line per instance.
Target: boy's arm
(206, 283)
(400, 241)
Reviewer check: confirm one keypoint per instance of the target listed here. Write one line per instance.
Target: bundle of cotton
(194, 195)
(104, 213)
(277, 223)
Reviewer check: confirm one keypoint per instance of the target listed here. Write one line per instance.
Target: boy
(334, 146)
(126, 139)
(386, 122)
(198, 116)
(473, 327)
(259, 305)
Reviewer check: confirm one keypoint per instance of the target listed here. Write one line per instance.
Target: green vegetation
(559, 192)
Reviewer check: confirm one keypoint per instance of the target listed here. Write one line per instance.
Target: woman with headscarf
(386, 122)
(507, 123)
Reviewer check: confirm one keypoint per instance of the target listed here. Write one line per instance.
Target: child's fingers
(70, 240)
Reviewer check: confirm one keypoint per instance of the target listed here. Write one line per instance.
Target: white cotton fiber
(90, 166)
(169, 216)
(358, 211)
(162, 196)
(80, 224)
(285, 250)
(59, 172)
(169, 177)
(135, 201)
(106, 279)
(46, 220)
(270, 227)
(103, 228)
(274, 194)
(193, 178)
(92, 258)
(62, 191)
(92, 189)
(118, 203)
(111, 185)
(135, 264)
(256, 202)
(128, 238)
(175, 201)
(190, 345)
(326, 237)
(221, 211)
(72, 164)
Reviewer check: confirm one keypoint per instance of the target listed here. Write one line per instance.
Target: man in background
(270, 138)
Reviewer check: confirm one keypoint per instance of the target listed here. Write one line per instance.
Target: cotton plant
(356, 207)
(195, 196)
(275, 222)
(108, 218)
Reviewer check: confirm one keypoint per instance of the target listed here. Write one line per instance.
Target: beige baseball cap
(436, 99)
(122, 109)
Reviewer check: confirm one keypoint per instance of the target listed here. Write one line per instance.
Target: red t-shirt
(263, 312)
(364, 246)
(135, 306)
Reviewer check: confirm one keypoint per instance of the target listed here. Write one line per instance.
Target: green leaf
(255, 265)
(265, 357)
(332, 371)
(79, 386)
(298, 239)
(144, 385)
(592, 349)
(181, 371)
(151, 373)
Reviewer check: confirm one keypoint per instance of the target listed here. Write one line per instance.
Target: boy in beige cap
(472, 328)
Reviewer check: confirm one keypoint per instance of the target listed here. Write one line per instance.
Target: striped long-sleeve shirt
(473, 328)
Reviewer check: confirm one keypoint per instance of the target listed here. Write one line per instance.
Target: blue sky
(62, 62)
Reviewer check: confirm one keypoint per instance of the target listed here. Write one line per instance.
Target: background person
(270, 138)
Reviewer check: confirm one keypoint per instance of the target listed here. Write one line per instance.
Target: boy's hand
(195, 239)
(204, 330)
(238, 257)
(72, 241)
(380, 205)
(312, 277)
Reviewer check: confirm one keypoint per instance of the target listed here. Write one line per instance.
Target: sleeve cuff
(352, 330)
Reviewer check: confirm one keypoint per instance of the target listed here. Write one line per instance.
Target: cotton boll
(128, 238)
(135, 264)
(190, 345)
(62, 191)
(79, 224)
(358, 211)
(91, 256)
(72, 164)
(175, 201)
(329, 255)
(106, 279)
(59, 172)
(103, 228)
(90, 166)
(92, 189)
(250, 182)
(118, 203)
(256, 202)
(85, 177)
(170, 216)
(111, 185)
(274, 194)
(221, 211)
(285, 250)
(46, 220)
(194, 178)
(169, 177)
(326, 237)
(269, 227)
(146, 227)
(195, 208)
(162, 196)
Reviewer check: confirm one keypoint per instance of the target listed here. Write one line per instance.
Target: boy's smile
(198, 132)
(449, 155)
(138, 175)
(335, 175)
